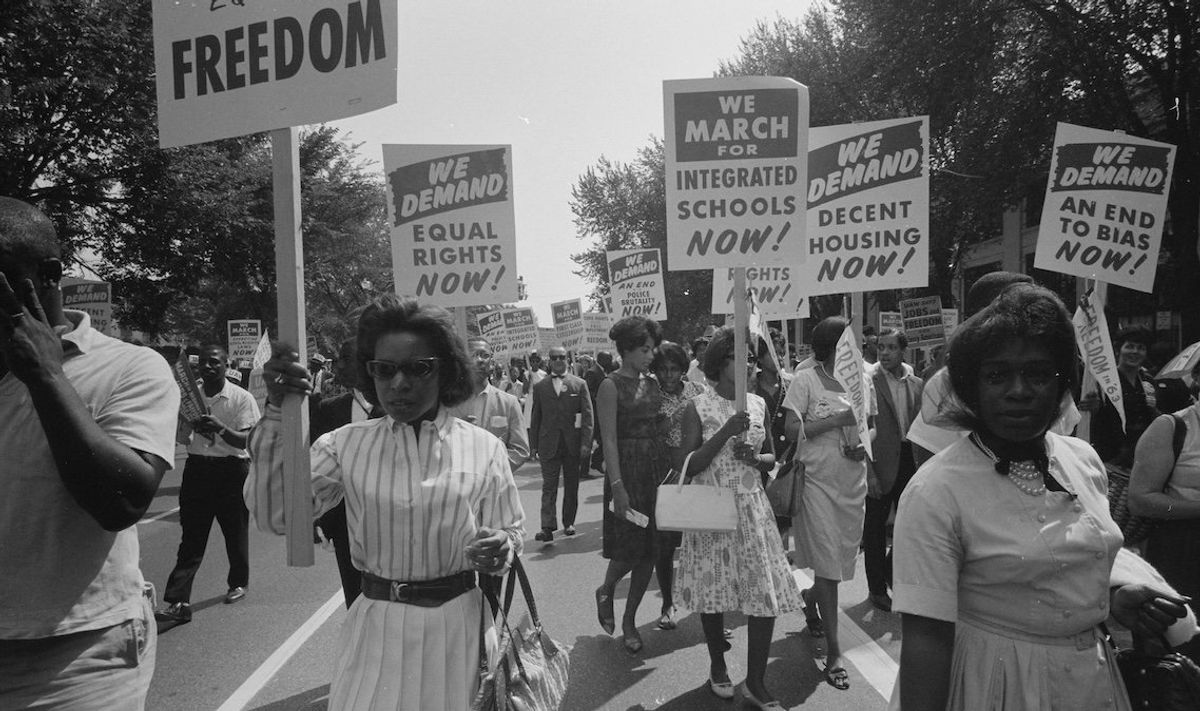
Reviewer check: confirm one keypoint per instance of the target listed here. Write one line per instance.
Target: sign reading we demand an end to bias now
(1106, 201)
(454, 236)
(868, 207)
(736, 155)
(635, 278)
(229, 67)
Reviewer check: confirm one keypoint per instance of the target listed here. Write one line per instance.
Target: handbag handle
(683, 474)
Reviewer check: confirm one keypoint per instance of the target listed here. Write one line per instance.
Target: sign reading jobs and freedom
(227, 68)
(1106, 200)
(453, 233)
(635, 278)
(736, 155)
(777, 290)
(923, 322)
(868, 207)
(568, 322)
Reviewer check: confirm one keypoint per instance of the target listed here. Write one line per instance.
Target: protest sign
(635, 282)
(451, 213)
(868, 207)
(229, 68)
(92, 297)
(736, 154)
(949, 322)
(568, 322)
(521, 331)
(547, 339)
(848, 370)
(776, 289)
(256, 385)
(595, 335)
(491, 328)
(1106, 201)
(244, 335)
(191, 404)
(923, 321)
(1095, 348)
(890, 319)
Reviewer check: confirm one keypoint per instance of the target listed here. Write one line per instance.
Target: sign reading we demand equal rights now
(868, 207)
(777, 291)
(635, 278)
(1106, 201)
(454, 236)
(736, 155)
(230, 68)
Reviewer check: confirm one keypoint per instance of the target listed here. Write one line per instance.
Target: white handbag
(695, 508)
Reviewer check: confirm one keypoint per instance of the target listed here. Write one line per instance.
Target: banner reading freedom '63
(736, 157)
(226, 68)
(453, 232)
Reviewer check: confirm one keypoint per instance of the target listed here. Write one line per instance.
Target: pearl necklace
(1024, 475)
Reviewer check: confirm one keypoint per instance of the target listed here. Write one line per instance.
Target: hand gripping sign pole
(289, 272)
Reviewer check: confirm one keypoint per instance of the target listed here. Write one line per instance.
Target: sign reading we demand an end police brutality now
(229, 68)
(635, 278)
(868, 207)
(453, 232)
(736, 155)
(1106, 200)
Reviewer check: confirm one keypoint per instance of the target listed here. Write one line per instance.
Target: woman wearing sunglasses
(1004, 546)
(430, 505)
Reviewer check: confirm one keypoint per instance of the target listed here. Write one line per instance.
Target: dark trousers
(212, 488)
(877, 557)
(333, 523)
(565, 461)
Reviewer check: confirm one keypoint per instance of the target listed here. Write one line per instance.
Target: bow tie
(555, 375)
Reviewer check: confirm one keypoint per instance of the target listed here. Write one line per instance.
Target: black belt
(423, 593)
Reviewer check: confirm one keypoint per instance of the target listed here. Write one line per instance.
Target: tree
(623, 206)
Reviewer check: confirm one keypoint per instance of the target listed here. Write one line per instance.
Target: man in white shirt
(493, 409)
(216, 469)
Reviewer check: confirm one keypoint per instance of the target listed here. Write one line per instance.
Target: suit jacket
(555, 415)
(886, 445)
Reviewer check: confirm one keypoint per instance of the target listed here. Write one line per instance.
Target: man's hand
(28, 344)
(284, 374)
(209, 425)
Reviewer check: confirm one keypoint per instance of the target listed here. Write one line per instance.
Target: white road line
(162, 515)
(256, 681)
(875, 664)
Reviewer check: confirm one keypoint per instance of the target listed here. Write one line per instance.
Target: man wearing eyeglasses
(561, 424)
(493, 409)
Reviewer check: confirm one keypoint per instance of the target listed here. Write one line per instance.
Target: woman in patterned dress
(747, 569)
(627, 403)
(669, 366)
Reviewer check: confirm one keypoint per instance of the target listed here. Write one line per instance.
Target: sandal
(811, 617)
(666, 622)
(604, 610)
(837, 678)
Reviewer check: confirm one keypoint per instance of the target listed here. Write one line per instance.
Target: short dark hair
(700, 342)
(720, 349)
(989, 286)
(1136, 334)
(826, 334)
(901, 336)
(669, 351)
(1022, 311)
(632, 331)
(392, 314)
(27, 236)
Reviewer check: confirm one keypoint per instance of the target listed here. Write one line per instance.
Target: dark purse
(1163, 682)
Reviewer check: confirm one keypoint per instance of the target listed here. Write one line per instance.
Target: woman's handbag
(696, 507)
(784, 490)
(1164, 682)
(531, 670)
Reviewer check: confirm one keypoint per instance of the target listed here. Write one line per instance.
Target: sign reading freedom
(226, 68)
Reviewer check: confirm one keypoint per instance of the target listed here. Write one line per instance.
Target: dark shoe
(811, 617)
(633, 642)
(883, 601)
(666, 621)
(178, 612)
(837, 678)
(604, 610)
(569, 531)
(545, 535)
(234, 595)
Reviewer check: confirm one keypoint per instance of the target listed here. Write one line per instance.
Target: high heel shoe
(749, 699)
(604, 610)
(633, 642)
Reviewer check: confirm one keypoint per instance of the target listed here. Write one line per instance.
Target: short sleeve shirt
(236, 408)
(60, 572)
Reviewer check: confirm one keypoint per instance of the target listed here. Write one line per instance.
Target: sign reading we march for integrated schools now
(777, 290)
(736, 155)
(453, 232)
(635, 278)
(868, 207)
(1106, 201)
(229, 68)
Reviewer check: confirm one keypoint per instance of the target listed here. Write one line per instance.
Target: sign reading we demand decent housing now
(1106, 201)
(453, 232)
(736, 156)
(230, 68)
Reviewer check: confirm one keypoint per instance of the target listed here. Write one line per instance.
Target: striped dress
(412, 506)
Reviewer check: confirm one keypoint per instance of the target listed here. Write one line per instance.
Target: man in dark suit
(326, 415)
(562, 436)
(898, 394)
(594, 376)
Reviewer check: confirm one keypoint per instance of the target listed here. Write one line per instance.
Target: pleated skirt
(397, 657)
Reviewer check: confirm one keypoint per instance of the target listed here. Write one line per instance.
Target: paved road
(272, 651)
